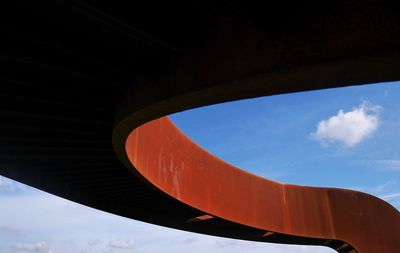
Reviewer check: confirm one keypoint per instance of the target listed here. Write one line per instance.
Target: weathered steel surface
(174, 164)
(237, 61)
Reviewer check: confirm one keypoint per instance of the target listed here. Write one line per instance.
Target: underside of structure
(85, 85)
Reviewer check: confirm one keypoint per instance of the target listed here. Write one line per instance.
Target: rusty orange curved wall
(170, 161)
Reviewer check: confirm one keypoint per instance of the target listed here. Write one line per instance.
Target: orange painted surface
(170, 161)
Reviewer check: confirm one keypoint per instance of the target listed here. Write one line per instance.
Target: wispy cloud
(226, 243)
(190, 240)
(388, 191)
(83, 225)
(40, 247)
(11, 186)
(349, 128)
(384, 187)
(120, 244)
(390, 197)
(389, 165)
(94, 242)
(11, 229)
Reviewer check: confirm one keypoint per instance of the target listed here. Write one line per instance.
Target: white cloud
(349, 128)
(83, 225)
(35, 247)
(119, 244)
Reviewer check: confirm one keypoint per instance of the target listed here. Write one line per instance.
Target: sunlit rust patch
(201, 218)
(268, 233)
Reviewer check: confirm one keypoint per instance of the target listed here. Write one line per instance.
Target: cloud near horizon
(349, 128)
(11, 229)
(40, 247)
(119, 244)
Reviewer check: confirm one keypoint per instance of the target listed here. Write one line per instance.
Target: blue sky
(346, 137)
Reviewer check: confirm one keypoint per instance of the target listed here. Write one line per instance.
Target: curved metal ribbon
(170, 161)
(237, 62)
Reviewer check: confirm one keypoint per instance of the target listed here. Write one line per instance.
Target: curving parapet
(237, 61)
(345, 220)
